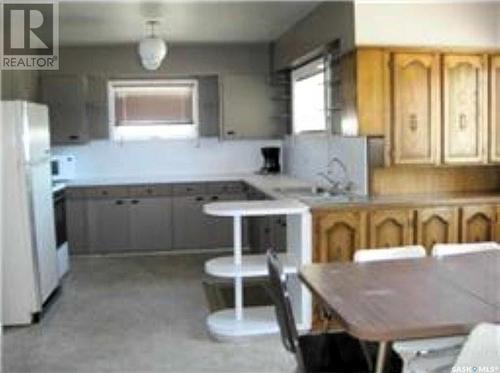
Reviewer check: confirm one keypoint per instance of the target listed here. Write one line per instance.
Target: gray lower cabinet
(77, 225)
(190, 228)
(121, 224)
(151, 223)
(120, 218)
(109, 225)
(267, 232)
(220, 228)
(193, 229)
(278, 233)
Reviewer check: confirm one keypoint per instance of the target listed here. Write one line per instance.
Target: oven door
(60, 218)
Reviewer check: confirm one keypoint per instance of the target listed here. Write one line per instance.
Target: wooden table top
(406, 299)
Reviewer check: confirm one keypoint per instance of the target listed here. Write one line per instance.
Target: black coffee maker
(271, 160)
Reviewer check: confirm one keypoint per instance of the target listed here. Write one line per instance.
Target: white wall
(108, 159)
(452, 23)
(308, 154)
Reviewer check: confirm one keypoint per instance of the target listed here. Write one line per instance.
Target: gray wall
(186, 60)
(20, 85)
(123, 60)
(327, 22)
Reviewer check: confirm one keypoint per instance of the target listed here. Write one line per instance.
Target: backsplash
(303, 156)
(309, 154)
(108, 159)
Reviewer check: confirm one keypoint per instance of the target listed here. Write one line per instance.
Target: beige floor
(135, 314)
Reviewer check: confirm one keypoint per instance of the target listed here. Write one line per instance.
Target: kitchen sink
(318, 195)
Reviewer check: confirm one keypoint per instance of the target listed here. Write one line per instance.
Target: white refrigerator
(29, 256)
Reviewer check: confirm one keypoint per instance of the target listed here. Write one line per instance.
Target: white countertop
(266, 183)
(271, 185)
(58, 186)
(255, 208)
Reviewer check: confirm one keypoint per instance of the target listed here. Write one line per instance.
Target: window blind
(170, 104)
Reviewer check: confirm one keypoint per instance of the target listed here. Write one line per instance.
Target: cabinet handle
(199, 198)
(462, 125)
(230, 133)
(215, 198)
(135, 201)
(119, 202)
(74, 137)
(413, 122)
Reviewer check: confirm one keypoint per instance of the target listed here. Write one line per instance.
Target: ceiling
(99, 22)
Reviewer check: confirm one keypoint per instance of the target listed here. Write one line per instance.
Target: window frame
(308, 70)
(162, 130)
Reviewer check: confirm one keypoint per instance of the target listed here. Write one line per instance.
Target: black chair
(324, 352)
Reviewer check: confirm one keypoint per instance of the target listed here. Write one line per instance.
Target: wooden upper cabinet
(436, 225)
(495, 109)
(478, 223)
(364, 91)
(415, 108)
(389, 228)
(338, 235)
(464, 109)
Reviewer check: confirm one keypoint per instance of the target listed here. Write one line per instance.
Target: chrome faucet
(337, 187)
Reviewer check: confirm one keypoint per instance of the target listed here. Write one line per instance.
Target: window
(309, 97)
(145, 109)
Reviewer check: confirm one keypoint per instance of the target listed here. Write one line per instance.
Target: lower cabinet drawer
(157, 190)
(189, 189)
(108, 192)
(226, 187)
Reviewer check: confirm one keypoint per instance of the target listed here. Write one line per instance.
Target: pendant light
(152, 49)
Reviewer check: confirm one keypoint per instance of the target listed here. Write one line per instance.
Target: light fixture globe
(152, 51)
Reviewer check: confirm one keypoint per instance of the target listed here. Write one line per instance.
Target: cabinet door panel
(219, 229)
(248, 109)
(495, 109)
(151, 223)
(189, 223)
(260, 234)
(65, 96)
(109, 225)
(338, 235)
(77, 225)
(478, 223)
(437, 225)
(279, 235)
(390, 228)
(416, 108)
(465, 120)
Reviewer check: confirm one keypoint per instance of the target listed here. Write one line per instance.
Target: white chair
(394, 253)
(419, 355)
(445, 249)
(482, 349)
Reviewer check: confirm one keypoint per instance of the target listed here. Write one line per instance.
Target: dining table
(407, 299)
